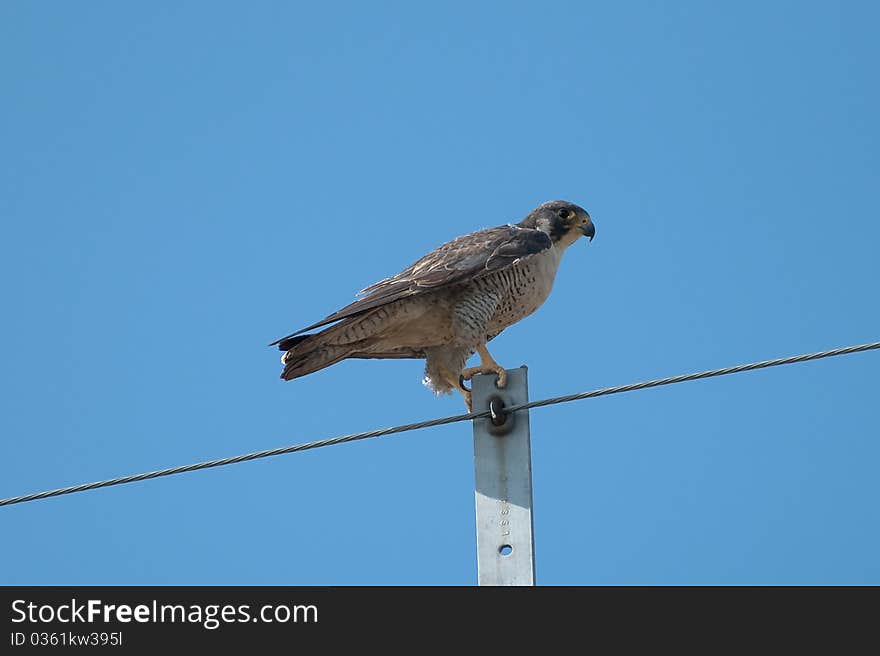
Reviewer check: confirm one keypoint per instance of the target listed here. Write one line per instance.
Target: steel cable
(437, 422)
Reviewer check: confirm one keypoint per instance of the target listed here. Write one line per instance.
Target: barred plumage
(450, 303)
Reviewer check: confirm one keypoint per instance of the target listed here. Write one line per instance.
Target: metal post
(503, 469)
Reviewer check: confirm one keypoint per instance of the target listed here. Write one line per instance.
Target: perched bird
(445, 307)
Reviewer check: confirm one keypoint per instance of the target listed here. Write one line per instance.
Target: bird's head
(564, 222)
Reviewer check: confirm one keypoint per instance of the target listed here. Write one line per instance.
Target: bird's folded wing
(460, 260)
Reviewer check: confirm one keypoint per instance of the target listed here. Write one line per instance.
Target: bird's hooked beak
(588, 228)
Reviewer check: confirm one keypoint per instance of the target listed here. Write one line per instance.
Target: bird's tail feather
(306, 354)
(301, 362)
(355, 337)
(288, 343)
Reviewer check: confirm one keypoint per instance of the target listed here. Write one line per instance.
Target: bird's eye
(565, 214)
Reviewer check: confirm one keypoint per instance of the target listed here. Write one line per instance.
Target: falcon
(449, 304)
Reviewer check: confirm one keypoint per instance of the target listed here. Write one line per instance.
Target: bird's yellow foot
(459, 385)
(487, 366)
(466, 393)
(470, 372)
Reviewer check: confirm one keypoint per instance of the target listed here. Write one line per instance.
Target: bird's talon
(468, 374)
(461, 384)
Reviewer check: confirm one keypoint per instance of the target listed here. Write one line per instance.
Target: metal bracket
(503, 473)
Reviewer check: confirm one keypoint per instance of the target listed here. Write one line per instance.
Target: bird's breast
(527, 285)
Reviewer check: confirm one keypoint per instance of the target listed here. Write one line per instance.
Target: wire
(242, 458)
(437, 422)
(696, 376)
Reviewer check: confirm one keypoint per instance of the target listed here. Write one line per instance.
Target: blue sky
(184, 182)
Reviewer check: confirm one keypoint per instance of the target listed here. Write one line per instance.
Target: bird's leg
(459, 385)
(466, 393)
(487, 366)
